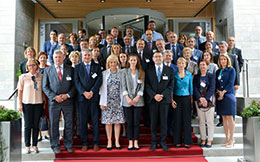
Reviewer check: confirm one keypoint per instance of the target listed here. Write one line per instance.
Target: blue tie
(159, 73)
(87, 68)
(173, 49)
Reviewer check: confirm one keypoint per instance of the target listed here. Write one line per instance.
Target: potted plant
(10, 135)
(251, 131)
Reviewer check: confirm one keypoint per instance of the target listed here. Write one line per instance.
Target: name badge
(216, 46)
(139, 81)
(68, 78)
(165, 77)
(147, 60)
(195, 57)
(202, 84)
(94, 75)
(219, 77)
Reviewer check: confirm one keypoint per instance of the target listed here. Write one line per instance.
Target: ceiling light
(59, 1)
(191, 0)
(148, 0)
(102, 1)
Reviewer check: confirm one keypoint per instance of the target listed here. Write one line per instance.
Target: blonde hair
(187, 49)
(181, 59)
(27, 49)
(228, 60)
(74, 53)
(110, 58)
(34, 61)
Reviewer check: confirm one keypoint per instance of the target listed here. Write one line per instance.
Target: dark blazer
(120, 41)
(146, 59)
(164, 87)
(210, 84)
(153, 47)
(179, 48)
(48, 47)
(227, 80)
(130, 49)
(234, 64)
(214, 43)
(57, 47)
(240, 59)
(23, 66)
(202, 40)
(52, 87)
(103, 56)
(84, 83)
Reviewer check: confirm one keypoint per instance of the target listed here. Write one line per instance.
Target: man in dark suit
(114, 32)
(88, 79)
(232, 49)
(58, 86)
(103, 35)
(210, 38)
(127, 48)
(106, 50)
(130, 32)
(149, 43)
(61, 41)
(198, 37)
(196, 54)
(144, 55)
(83, 44)
(48, 46)
(175, 47)
(159, 84)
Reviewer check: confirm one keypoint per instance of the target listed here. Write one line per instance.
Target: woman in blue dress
(226, 100)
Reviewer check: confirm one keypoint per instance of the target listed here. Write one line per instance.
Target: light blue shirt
(156, 36)
(183, 87)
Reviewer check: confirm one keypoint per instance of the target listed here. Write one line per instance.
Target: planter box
(251, 139)
(11, 134)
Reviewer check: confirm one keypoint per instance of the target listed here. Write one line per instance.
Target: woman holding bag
(133, 101)
(204, 88)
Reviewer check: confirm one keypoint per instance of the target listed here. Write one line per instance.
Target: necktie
(159, 73)
(150, 45)
(140, 56)
(199, 42)
(87, 68)
(173, 49)
(127, 49)
(59, 74)
(108, 50)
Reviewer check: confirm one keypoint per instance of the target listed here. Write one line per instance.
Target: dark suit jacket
(240, 59)
(103, 56)
(52, 87)
(196, 56)
(57, 47)
(215, 46)
(23, 66)
(164, 87)
(153, 47)
(130, 49)
(234, 64)
(146, 59)
(210, 84)
(87, 83)
(120, 41)
(179, 48)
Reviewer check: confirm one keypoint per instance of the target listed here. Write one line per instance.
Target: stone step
(224, 158)
(218, 150)
(238, 129)
(44, 154)
(238, 120)
(219, 138)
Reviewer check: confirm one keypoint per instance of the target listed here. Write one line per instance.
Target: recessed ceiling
(80, 8)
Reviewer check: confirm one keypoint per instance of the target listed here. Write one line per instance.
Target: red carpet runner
(194, 154)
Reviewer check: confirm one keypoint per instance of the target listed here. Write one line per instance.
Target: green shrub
(8, 115)
(252, 110)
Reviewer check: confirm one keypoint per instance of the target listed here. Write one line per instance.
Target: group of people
(121, 80)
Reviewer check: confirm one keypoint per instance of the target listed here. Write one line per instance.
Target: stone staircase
(217, 151)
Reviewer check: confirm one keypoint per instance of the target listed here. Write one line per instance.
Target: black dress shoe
(136, 148)
(203, 145)
(109, 148)
(56, 151)
(130, 148)
(70, 150)
(208, 146)
(46, 137)
(187, 146)
(219, 124)
(178, 146)
(153, 147)
(118, 148)
(40, 139)
(164, 147)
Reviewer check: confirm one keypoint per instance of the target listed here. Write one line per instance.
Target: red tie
(59, 73)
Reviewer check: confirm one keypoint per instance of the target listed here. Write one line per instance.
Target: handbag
(210, 102)
(44, 123)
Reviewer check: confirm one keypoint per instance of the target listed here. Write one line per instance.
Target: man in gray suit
(58, 86)
(199, 38)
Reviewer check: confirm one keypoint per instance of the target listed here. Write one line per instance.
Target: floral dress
(113, 114)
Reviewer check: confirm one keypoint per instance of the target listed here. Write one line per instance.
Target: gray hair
(193, 39)
(224, 43)
(57, 52)
(160, 39)
(86, 50)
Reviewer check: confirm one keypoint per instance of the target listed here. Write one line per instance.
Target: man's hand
(174, 104)
(88, 95)
(58, 98)
(64, 97)
(158, 97)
